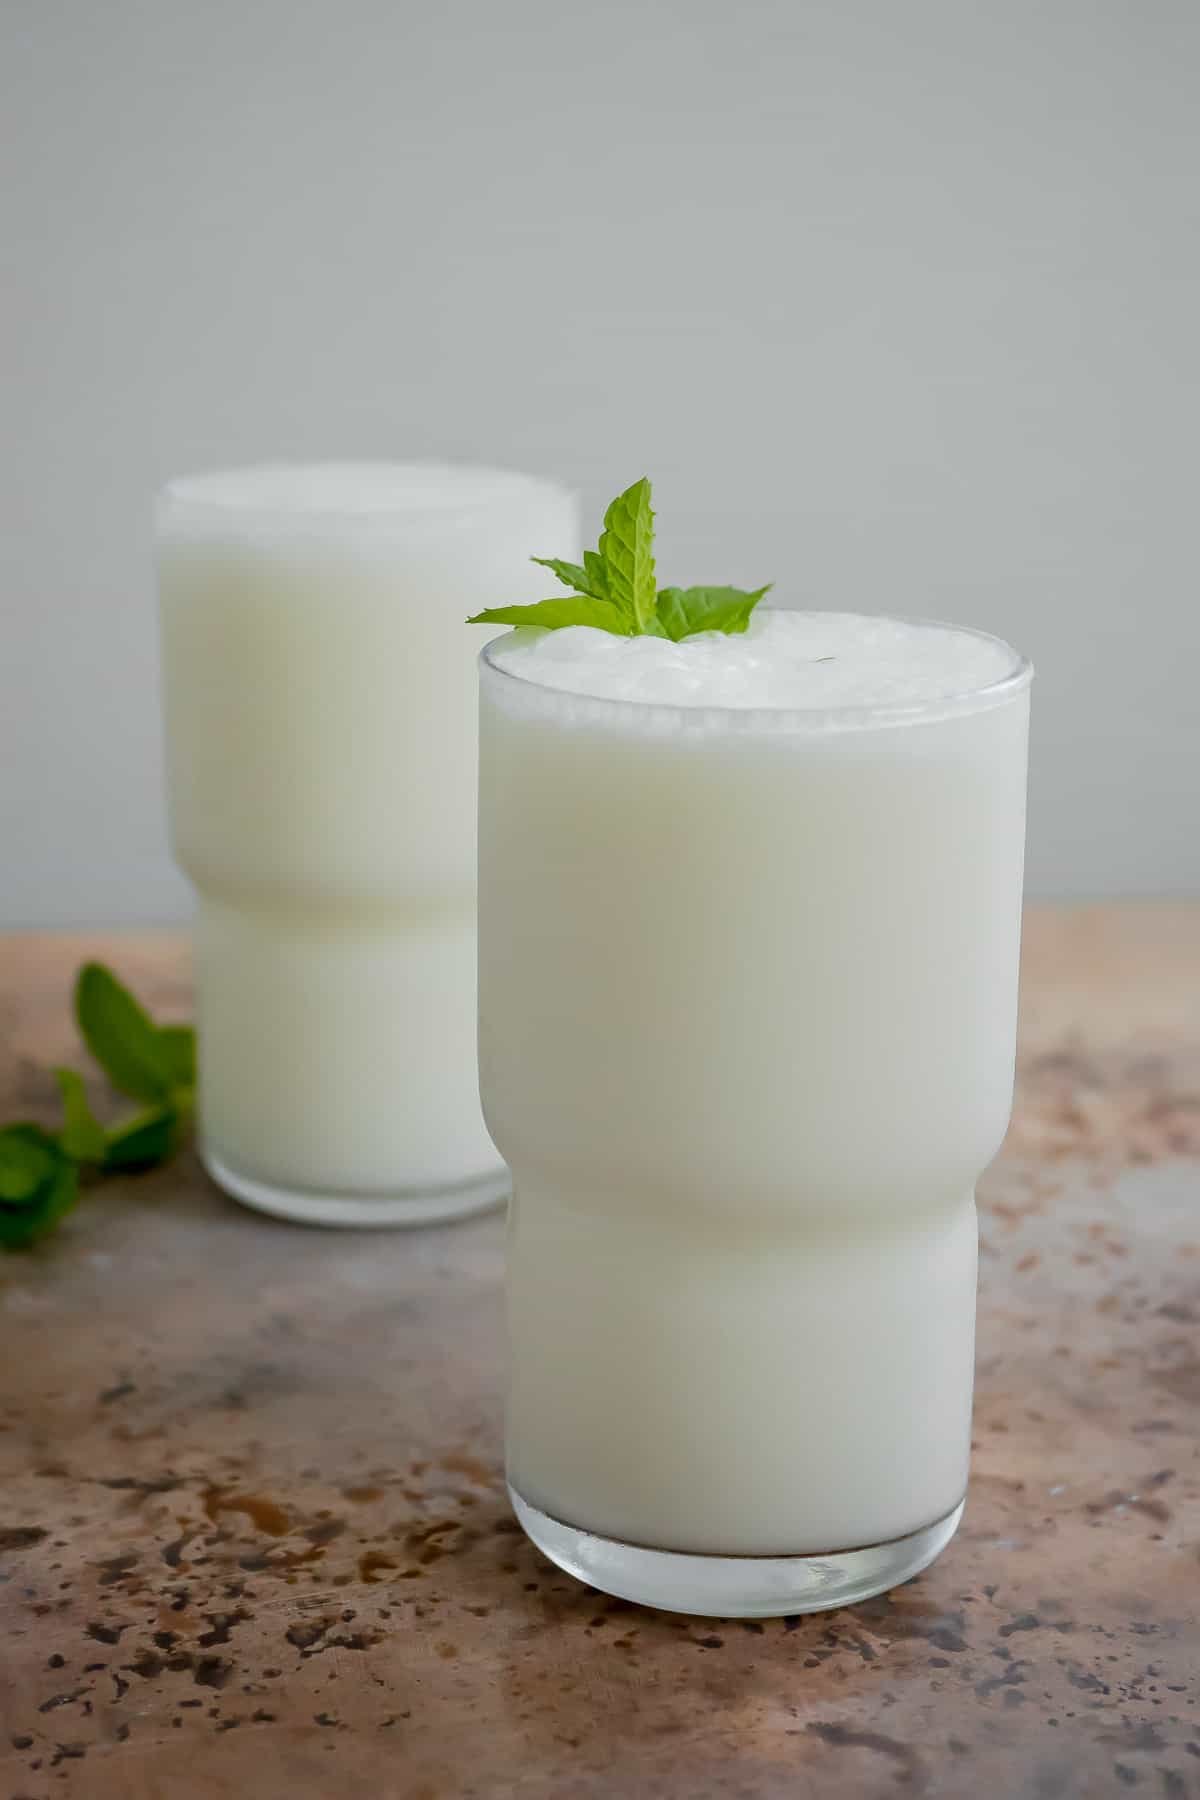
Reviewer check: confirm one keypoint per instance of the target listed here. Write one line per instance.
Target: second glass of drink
(321, 737)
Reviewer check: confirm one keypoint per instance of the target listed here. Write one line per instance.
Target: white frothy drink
(321, 734)
(750, 913)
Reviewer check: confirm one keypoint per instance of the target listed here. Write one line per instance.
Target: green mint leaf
(123, 1040)
(627, 547)
(26, 1159)
(572, 609)
(596, 570)
(685, 611)
(148, 1138)
(82, 1137)
(572, 575)
(39, 1184)
(178, 1046)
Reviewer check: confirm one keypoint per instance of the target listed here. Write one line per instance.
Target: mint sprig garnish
(684, 611)
(574, 609)
(615, 586)
(627, 552)
(156, 1064)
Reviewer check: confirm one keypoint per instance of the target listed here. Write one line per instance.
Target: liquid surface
(786, 660)
(355, 490)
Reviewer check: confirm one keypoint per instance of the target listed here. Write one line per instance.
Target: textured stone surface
(254, 1541)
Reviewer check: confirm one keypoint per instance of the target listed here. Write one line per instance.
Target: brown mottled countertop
(254, 1539)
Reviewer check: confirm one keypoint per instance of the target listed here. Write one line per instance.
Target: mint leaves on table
(82, 1137)
(119, 1035)
(153, 1064)
(39, 1184)
(615, 586)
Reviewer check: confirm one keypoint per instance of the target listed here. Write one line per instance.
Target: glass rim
(862, 715)
(200, 492)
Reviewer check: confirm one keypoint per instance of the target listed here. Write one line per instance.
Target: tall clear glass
(748, 989)
(321, 749)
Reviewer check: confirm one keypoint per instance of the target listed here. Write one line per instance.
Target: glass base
(734, 1587)
(414, 1206)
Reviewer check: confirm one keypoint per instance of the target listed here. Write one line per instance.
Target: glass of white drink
(749, 926)
(321, 737)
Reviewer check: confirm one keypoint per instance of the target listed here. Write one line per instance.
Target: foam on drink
(811, 661)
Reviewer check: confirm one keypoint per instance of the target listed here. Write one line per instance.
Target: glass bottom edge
(405, 1207)
(734, 1587)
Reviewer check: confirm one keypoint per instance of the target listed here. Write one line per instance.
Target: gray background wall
(897, 302)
